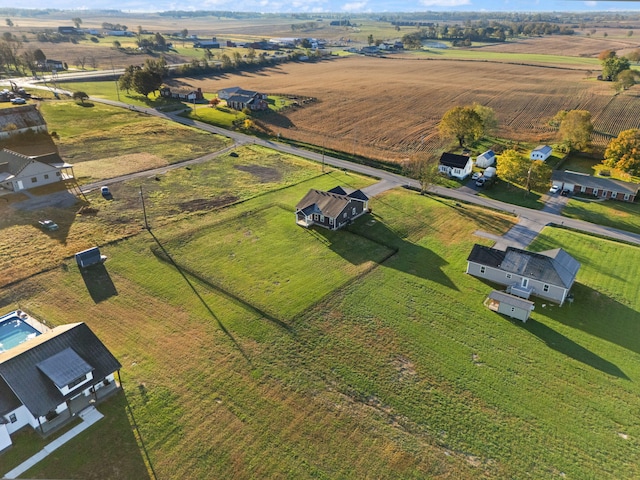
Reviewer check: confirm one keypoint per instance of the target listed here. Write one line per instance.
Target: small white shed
(486, 159)
(509, 305)
(541, 152)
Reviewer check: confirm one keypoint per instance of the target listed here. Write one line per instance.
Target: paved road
(532, 221)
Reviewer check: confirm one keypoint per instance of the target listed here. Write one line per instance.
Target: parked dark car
(106, 193)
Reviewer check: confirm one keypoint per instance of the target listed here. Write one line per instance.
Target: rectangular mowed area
(275, 266)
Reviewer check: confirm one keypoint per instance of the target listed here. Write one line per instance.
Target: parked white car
(554, 189)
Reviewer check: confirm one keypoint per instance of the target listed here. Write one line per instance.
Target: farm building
(549, 274)
(597, 186)
(50, 376)
(22, 119)
(21, 172)
(332, 209)
(454, 165)
(486, 159)
(541, 152)
(509, 305)
(89, 257)
(185, 94)
(239, 99)
(213, 43)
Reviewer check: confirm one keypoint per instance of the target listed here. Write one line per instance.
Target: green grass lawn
(610, 213)
(513, 194)
(402, 372)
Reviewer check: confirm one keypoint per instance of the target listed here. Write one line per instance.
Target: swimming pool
(14, 331)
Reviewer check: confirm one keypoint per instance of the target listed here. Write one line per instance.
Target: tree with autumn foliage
(520, 170)
(575, 129)
(623, 152)
(462, 123)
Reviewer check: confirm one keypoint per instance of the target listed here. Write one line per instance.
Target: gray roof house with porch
(332, 209)
(21, 172)
(549, 274)
(47, 379)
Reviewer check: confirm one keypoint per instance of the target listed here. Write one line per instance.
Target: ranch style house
(454, 165)
(332, 209)
(239, 99)
(608, 188)
(49, 378)
(184, 94)
(549, 274)
(21, 172)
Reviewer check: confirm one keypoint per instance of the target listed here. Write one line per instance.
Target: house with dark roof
(184, 94)
(541, 152)
(601, 187)
(46, 380)
(332, 209)
(23, 119)
(21, 172)
(549, 274)
(454, 165)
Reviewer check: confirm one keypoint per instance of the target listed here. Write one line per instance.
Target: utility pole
(144, 210)
(323, 155)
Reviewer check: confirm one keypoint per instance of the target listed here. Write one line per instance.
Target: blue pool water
(14, 331)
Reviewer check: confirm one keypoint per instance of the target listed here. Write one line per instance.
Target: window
(315, 216)
(76, 382)
(513, 309)
(34, 180)
(13, 418)
(344, 215)
(57, 174)
(322, 218)
(482, 269)
(330, 221)
(626, 196)
(46, 176)
(353, 211)
(545, 288)
(509, 275)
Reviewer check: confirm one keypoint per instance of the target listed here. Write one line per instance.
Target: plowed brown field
(390, 108)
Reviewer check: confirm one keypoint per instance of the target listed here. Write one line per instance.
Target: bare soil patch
(112, 167)
(264, 174)
(198, 204)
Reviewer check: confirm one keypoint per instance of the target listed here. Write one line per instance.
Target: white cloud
(444, 3)
(591, 4)
(354, 7)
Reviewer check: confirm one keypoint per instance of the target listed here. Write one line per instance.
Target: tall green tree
(575, 129)
(623, 152)
(626, 79)
(462, 123)
(520, 170)
(488, 117)
(423, 168)
(612, 66)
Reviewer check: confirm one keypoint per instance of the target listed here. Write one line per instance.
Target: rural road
(529, 224)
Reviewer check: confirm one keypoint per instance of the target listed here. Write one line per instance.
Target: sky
(346, 6)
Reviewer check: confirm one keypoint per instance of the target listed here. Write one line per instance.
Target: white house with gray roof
(21, 172)
(46, 380)
(549, 274)
(541, 152)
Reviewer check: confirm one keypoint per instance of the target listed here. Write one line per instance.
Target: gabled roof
(600, 183)
(328, 204)
(454, 160)
(545, 149)
(512, 300)
(19, 366)
(64, 367)
(13, 163)
(489, 154)
(555, 267)
(22, 117)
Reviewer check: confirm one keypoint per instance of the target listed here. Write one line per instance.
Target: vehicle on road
(554, 189)
(18, 101)
(49, 225)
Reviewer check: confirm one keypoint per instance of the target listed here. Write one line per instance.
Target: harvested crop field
(390, 108)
